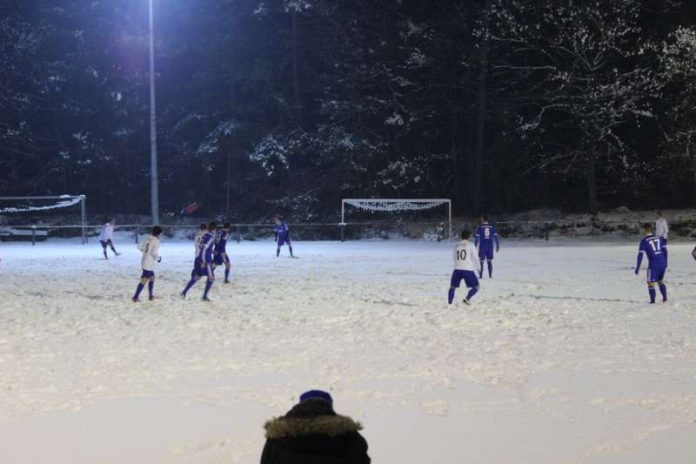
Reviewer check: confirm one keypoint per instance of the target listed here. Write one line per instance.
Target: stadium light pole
(154, 188)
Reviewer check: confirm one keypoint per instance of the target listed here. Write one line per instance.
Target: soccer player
(150, 250)
(661, 228)
(282, 233)
(464, 268)
(220, 253)
(106, 238)
(203, 264)
(484, 238)
(655, 248)
(202, 229)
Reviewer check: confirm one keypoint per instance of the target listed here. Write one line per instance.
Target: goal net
(32, 217)
(403, 207)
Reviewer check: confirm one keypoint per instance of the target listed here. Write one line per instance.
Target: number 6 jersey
(465, 256)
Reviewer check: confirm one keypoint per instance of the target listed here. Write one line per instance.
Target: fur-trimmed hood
(288, 427)
(311, 417)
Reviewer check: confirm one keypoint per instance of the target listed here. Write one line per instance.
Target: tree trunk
(591, 183)
(295, 72)
(482, 110)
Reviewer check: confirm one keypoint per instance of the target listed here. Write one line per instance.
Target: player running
(484, 238)
(655, 248)
(464, 268)
(150, 250)
(106, 239)
(282, 234)
(220, 253)
(203, 263)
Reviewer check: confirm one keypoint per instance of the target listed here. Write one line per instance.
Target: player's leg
(651, 285)
(111, 245)
(472, 284)
(151, 288)
(195, 275)
(454, 285)
(287, 240)
(482, 258)
(103, 244)
(144, 278)
(227, 268)
(661, 284)
(209, 282)
(489, 261)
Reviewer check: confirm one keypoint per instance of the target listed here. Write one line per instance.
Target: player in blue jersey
(203, 264)
(483, 239)
(150, 250)
(282, 234)
(655, 248)
(220, 253)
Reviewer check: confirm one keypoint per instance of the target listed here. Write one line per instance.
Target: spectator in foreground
(311, 432)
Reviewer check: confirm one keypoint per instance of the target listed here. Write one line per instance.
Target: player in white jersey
(202, 229)
(106, 238)
(465, 265)
(150, 250)
(661, 228)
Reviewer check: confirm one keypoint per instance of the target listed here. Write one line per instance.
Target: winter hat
(316, 395)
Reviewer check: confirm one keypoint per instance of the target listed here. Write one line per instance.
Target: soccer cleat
(182, 295)
(135, 300)
(151, 298)
(466, 302)
(117, 253)
(226, 282)
(205, 298)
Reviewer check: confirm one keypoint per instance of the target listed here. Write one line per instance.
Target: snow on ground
(560, 359)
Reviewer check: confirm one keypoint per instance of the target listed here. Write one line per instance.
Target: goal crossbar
(397, 204)
(64, 202)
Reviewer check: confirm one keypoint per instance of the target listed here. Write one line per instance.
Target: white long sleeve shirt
(661, 228)
(465, 255)
(150, 249)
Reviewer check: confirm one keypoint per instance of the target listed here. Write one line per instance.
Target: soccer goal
(30, 215)
(397, 205)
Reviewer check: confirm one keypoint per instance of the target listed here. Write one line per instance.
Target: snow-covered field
(559, 360)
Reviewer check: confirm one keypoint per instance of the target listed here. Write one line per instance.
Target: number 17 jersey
(465, 256)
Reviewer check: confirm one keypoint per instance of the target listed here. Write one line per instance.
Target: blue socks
(663, 291)
(651, 291)
(481, 270)
(208, 284)
(471, 293)
(227, 275)
(191, 283)
(490, 269)
(450, 295)
(138, 290)
(150, 287)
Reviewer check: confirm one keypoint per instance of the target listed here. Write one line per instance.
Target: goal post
(56, 202)
(397, 204)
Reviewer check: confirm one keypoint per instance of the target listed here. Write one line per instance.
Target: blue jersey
(282, 230)
(485, 236)
(221, 237)
(205, 249)
(655, 248)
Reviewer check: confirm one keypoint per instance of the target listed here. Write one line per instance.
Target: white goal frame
(437, 201)
(69, 200)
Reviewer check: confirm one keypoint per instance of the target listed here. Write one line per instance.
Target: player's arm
(640, 256)
(477, 236)
(154, 251)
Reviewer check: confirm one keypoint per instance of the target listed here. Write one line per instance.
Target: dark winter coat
(312, 433)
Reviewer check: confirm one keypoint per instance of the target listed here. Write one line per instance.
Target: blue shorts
(657, 274)
(221, 258)
(147, 274)
(485, 252)
(283, 239)
(469, 278)
(104, 243)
